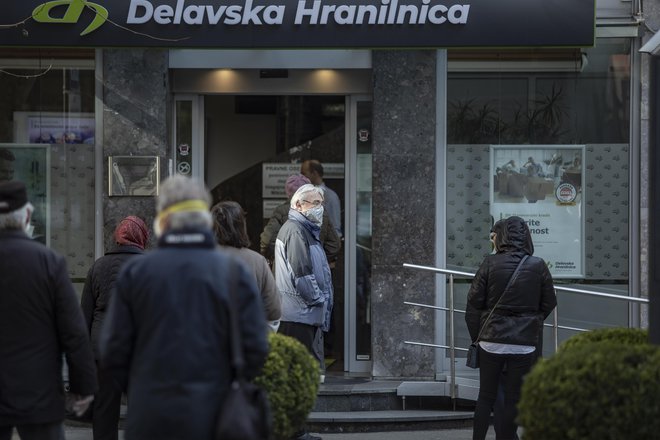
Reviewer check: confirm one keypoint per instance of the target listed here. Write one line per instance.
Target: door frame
(351, 363)
(198, 127)
(198, 124)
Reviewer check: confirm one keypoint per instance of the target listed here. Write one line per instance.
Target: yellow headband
(186, 205)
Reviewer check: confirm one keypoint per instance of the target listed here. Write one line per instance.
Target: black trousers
(309, 335)
(491, 366)
(42, 431)
(107, 402)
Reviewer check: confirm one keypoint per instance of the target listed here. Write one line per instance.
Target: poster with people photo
(30, 163)
(54, 128)
(543, 184)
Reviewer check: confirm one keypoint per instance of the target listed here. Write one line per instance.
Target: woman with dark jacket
(509, 338)
(131, 236)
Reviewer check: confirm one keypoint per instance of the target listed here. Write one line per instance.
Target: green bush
(601, 391)
(291, 379)
(627, 336)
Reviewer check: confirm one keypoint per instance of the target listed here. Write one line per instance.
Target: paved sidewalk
(80, 433)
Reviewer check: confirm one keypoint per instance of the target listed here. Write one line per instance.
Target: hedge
(605, 390)
(291, 378)
(627, 336)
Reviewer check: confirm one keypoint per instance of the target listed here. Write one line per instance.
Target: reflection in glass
(363, 236)
(47, 131)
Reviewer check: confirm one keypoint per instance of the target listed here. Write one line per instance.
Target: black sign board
(298, 23)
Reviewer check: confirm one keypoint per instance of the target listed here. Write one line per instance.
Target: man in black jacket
(39, 319)
(166, 335)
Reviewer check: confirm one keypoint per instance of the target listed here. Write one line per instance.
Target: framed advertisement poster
(30, 163)
(544, 185)
(54, 128)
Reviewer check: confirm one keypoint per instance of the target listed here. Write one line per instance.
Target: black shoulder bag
(245, 413)
(472, 360)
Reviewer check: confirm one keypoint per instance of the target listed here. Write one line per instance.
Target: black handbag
(245, 413)
(472, 360)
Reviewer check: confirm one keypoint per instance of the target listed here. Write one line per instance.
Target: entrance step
(360, 404)
(391, 420)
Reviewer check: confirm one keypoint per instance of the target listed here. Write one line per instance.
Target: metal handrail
(452, 348)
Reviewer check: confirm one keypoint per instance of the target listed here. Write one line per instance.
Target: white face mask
(29, 230)
(315, 215)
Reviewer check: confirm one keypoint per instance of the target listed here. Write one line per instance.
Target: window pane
(47, 137)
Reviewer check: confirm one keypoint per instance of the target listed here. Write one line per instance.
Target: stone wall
(135, 123)
(404, 205)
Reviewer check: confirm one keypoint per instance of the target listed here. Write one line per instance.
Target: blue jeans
(491, 366)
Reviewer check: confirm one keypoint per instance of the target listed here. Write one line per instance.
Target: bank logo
(73, 11)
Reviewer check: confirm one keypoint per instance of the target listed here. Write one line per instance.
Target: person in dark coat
(167, 332)
(39, 320)
(131, 236)
(509, 338)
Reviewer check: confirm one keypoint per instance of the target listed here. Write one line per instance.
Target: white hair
(301, 193)
(180, 188)
(16, 219)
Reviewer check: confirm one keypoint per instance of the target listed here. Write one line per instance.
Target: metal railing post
(555, 327)
(452, 349)
(452, 310)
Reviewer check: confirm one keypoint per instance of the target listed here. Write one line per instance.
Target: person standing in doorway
(166, 337)
(515, 291)
(328, 235)
(131, 237)
(303, 276)
(313, 170)
(39, 320)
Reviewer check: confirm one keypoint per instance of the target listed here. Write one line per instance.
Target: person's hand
(79, 404)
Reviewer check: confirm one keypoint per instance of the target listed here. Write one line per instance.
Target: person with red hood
(131, 237)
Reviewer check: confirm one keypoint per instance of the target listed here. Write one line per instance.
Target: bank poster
(544, 185)
(54, 128)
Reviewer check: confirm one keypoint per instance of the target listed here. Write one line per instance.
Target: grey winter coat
(302, 273)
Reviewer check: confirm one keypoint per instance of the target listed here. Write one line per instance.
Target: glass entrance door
(358, 233)
(245, 146)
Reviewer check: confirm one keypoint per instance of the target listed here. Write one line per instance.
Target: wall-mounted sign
(544, 185)
(274, 176)
(298, 23)
(133, 175)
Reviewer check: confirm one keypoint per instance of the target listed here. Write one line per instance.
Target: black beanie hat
(13, 195)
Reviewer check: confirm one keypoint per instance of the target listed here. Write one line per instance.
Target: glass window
(587, 104)
(47, 138)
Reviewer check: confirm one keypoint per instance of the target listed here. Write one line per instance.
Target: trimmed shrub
(600, 391)
(626, 336)
(291, 378)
